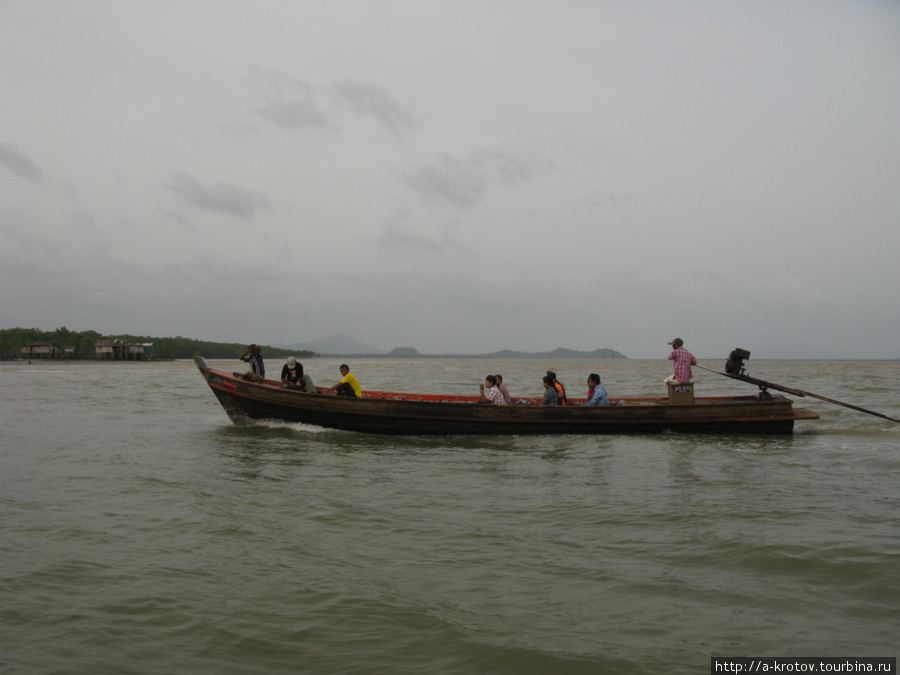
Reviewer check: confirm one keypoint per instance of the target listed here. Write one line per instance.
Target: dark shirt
(551, 396)
(292, 374)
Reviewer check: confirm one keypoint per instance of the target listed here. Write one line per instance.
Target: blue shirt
(600, 396)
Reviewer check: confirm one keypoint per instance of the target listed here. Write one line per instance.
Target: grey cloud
(221, 197)
(296, 104)
(290, 103)
(398, 236)
(21, 165)
(296, 113)
(509, 166)
(464, 182)
(449, 180)
(366, 99)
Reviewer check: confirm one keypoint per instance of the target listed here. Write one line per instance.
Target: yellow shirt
(350, 379)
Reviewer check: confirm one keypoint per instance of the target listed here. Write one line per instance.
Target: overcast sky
(455, 176)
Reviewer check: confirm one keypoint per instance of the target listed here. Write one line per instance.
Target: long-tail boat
(382, 412)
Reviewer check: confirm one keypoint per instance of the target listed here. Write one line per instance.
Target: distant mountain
(558, 353)
(343, 345)
(338, 345)
(404, 352)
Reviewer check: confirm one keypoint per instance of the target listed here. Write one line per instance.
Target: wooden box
(681, 392)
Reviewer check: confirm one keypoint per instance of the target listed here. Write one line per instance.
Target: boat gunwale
(371, 395)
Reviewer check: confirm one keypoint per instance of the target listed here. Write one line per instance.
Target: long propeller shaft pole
(797, 392)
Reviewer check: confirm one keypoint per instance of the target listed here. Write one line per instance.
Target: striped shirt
(256, 364)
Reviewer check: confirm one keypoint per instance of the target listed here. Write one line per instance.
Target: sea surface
(142, 532)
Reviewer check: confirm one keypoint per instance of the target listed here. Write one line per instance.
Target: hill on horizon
(344, 345)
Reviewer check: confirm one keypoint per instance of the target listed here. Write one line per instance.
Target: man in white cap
(683, 361)
(292, 374)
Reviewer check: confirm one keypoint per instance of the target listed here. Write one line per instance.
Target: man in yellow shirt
(348, 384)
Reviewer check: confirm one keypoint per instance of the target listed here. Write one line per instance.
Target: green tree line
(13, 339)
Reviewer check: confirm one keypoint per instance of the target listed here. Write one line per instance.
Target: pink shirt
(683, 361)
(505, 392)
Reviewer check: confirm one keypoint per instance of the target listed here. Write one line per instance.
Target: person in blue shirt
(597, 395)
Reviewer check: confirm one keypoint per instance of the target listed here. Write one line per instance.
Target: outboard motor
(735, 363)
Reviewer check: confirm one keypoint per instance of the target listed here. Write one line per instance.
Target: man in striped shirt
(253, 356)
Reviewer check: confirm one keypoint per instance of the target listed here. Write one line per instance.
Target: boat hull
(413, 414)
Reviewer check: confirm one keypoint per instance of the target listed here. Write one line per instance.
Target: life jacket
(561, 390)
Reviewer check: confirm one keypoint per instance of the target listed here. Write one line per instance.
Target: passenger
(503, 389)
(492, 394)
(683, 361)
(253, 356)
(597, 395)
(551, 394)
(348, 385)
(559, 387)
(292, 374)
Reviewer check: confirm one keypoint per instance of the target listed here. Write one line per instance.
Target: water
(142, 532)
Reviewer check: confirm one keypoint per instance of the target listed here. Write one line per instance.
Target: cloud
(297, 113)
(290, 103)
(464, 182)
(221, 197)
(399, 236)
(367, 99)
(450, 180)
(20, 164)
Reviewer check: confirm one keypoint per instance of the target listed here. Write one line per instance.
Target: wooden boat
(380, 412)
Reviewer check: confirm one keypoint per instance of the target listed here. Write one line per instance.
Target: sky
(455, 176)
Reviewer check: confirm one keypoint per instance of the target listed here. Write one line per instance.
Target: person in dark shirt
(551, 394)
(292, 374)
(559, 387)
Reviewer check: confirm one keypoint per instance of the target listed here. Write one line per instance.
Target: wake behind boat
(396, 413)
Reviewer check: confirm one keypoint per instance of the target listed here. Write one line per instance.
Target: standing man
(348, 384)
(683, 361)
